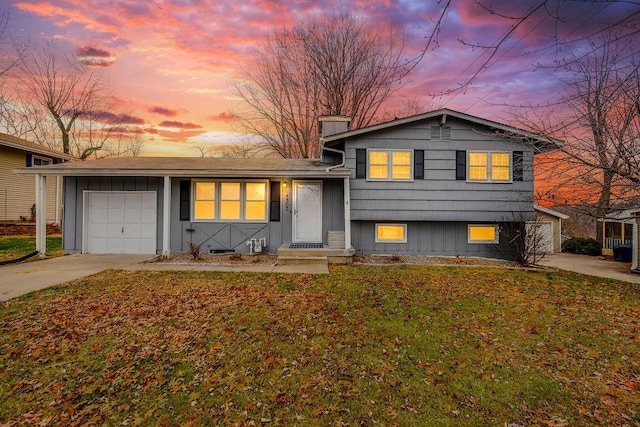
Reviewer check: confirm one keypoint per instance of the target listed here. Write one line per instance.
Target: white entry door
(307, 211)
(120, 222)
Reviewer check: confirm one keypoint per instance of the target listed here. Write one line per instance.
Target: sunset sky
(172, 63)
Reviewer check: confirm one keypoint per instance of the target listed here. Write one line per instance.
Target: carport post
(41, 215)
(166, 215)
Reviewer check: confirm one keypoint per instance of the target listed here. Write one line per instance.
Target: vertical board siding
(74, 188)
(440, 238)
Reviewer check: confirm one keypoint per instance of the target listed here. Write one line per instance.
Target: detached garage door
(540, 237)
(120, 222)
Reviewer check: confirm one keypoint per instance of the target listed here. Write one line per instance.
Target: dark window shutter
(274, 202)
(56, 161)
(418, 164)
(185, 200)
(461, 165)
(361, 163)
(29, 160)
(518, 166)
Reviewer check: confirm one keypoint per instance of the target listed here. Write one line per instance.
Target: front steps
(313, 256)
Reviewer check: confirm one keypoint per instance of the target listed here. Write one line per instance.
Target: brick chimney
(331, 125)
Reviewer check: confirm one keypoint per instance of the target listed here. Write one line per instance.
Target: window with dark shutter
(461, 165)
(29, 160)
(361, 163)
(185, 200)
(274, 202)
(518, 166)
(418, 164)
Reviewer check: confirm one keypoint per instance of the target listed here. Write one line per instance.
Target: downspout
(333, 150)
(635, 268)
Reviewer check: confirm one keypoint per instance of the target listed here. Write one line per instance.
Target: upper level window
(390, 165)
(229, 201)
(489, 166)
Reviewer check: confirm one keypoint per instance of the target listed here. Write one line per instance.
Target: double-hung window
(489, 166)
(390, 165)
(229, 201)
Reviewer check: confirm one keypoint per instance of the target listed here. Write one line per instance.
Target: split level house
(439, 183)
(18, 191)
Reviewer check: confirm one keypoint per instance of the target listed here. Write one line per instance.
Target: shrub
(582, 246)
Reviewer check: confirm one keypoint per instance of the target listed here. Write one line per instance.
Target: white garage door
(120, 222)
(542, 239)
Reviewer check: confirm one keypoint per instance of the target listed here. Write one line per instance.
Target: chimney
(331, 125)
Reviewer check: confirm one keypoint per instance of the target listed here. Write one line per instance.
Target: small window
(391, 233)
(39, 161)
(204, 200)
(482, 233)
(390, 165)
(486, 166)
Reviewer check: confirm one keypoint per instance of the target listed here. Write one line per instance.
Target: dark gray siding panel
(74, 203)
(423, 238)
(332, 206)
(439, 196)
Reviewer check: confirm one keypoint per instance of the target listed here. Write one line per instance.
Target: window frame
(386, 224)
(390, 152)
(495, 241)
(41, 159)
(218, 201)
(489, 167)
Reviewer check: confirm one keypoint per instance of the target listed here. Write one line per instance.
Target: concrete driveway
(592, 266)
(19, 279)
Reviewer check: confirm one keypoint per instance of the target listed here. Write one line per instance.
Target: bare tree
(336, 66)
(124, 146)
(599, 118)
(204, 149)
(244, 150)
(64, 103)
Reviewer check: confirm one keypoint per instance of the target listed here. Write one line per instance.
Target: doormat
(305, 246)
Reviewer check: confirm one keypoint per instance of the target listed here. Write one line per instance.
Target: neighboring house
(18, 192)
(548, 224)
(617, 229)
(440, 183)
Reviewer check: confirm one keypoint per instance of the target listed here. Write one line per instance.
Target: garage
(120, 222)
(540, 237)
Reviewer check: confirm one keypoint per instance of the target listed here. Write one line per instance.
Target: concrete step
(302, 260)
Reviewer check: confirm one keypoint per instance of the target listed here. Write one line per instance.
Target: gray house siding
(74, 188)
(212, 236)
(424, 238)
(439, 196)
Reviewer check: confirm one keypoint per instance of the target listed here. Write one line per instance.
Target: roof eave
(42, 152)
(335, 173)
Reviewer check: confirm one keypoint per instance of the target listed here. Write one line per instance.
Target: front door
(307, 211)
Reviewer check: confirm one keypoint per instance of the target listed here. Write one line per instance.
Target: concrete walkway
(20, 279)
(592, 266)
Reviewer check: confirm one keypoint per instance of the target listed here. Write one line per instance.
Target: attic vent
(442, 133)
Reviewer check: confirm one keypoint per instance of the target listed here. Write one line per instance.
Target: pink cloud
(94, 57)
(180, 125)
(162, 111)
(224, 117)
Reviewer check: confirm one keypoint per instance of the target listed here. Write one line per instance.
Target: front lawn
(12, 247)
(404, 345)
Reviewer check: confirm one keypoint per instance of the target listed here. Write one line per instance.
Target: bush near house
(582, 246)
(398, 345)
